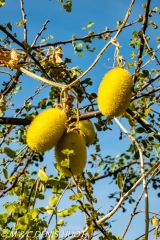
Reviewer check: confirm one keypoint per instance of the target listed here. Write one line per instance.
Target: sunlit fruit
(77, 160)
(46, 129)
(114, 93)
(87, 131)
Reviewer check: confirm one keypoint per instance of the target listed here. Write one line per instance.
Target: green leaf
(5, 173)
(75, 208)
(41, 196)
(68, 6)
(133, 55)
(120, 180)
(65, 163)
(42, 175)
(50, 36)
(9, 152)
(90, 24)
(147, 154)
(2, 2)
(2, 186)
(18, 88)
(93, 49)
(53, 201)
(21, 23)
(158, 39)
(34, 213)
(119, 23)
(65, 212)
(79, 45)
(140, 18)
(52, 182)
(139, 130)
(76, 197)
(154, 221)
(145, 73)
(156, 9)
(43, 40)
(68, 152)
(153, 24)
(81, 54)
(9, 26)
(50, 210)
(61, 222)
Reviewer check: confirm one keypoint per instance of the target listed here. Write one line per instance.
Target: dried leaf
(4, 56)
(14, 58)
(56, 57)
(2, 103)
(9, 58)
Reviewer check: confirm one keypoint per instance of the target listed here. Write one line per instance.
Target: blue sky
(62, 26)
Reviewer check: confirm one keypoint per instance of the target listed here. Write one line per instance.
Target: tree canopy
(58, 146)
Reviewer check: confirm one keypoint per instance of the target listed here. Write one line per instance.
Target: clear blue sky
(62, 26)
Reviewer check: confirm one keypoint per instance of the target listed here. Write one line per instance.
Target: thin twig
(105, 47)
(36, 191)
(125, 196)
(141, 48)
(149, 82)
(12, 83)
(134, 211)
(154, 52)
(31, 191)
(142, 172)
(132, 214)
(10, 127)
(82, 38)
(57, 205)
(148, 232)
(18, 175)
(24, 19)
(39, 33)
(141, 211)
(146, 93)
(3, 29)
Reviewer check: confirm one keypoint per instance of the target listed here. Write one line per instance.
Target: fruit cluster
(49, 128)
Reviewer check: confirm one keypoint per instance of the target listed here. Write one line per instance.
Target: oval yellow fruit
(46, 129)
(77, 161)
(114, 93)
(87, 131)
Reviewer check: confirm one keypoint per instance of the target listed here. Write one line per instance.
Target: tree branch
(141, 48)
(132, 214)
(24, 18)
(112, 41)
(142, 172)
(82, 38)
(18, 175)
(120, 169)
(146, 93)
(23, 47)
(107, 216)
(39, 33)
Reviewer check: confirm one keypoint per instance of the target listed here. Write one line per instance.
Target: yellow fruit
(114, 93)
(46, 129)
(71, 141)
(87, 131)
